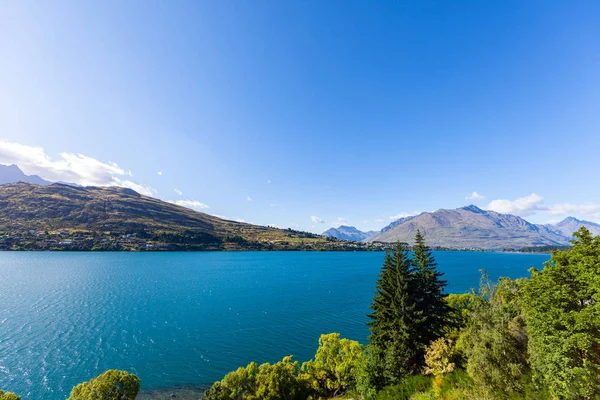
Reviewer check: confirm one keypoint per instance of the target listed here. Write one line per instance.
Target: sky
(310, 114)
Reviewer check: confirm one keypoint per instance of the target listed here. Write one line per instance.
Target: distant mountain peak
(346, 232)
(473, 208)
(470, 227)
(12, 173)
(570, 225)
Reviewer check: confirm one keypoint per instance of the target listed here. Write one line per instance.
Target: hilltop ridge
(59, 216)
(470, 227)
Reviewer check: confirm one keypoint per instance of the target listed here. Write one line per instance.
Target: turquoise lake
(185, 319)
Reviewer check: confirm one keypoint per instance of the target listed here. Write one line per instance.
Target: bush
(409, 386)
(111, 385)
(334, 369)
(8, 396)
(264, 382)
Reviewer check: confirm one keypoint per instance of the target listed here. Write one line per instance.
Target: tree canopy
(111, 385)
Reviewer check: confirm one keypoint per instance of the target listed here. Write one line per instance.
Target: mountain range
(345, 232)
(55, 216)
(472, 227)
(28, 202)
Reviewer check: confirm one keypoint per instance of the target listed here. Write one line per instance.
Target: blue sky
(310, 113)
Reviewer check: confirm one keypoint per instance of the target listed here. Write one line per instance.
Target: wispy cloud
(193, 204)
(403, 215)
(339, 222)
(249, 198)
(236, 219)
(474, 196)
(585, 210)
(523, 206)
(159, 173)
(179, 192)
(379, 220)
(73, 168)
(317, 220)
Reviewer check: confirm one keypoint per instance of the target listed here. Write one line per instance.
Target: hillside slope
(470, 227)
(113, 217)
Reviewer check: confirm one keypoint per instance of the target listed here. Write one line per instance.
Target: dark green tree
(430, 301)
(395, 320)
(562, 309)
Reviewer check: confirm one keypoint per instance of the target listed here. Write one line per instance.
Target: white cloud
(379, 220)
(275, 226)
(159, 173)
(586, 210)
(317, 220)
(269, 181)
(179, 192)
(72, 168)
(523, 206)
(236, 219)
(193, 204)
(403, 215)
(474, 196)
(249, 198)
(340, 221)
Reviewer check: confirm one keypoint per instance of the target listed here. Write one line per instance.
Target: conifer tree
(395, 318)
(430, 293)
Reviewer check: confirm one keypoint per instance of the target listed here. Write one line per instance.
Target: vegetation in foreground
(529, 339)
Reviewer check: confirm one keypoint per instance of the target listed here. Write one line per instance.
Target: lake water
(185, 319)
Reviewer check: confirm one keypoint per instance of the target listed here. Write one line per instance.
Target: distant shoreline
(263, 251)
(180, 392)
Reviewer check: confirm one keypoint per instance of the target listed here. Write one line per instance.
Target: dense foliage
(8, 396)
(562, 307)
(111, 385)
(332, 372)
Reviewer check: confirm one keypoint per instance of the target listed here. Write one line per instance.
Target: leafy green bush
(403, 391)
(334, 369)
(111, 385)
(8, 396)
(264, 382)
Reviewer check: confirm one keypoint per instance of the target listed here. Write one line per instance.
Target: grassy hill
(111, 218)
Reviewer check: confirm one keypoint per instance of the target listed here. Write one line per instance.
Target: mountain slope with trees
(59, 216)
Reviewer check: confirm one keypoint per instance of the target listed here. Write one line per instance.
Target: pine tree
(395, 318)
(430, 294)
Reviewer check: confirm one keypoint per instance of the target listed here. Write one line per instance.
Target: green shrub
(334, 369)
(403, 391)
(111, 385)
(8, 396)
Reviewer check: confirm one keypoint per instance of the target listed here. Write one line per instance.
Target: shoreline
(175, 392)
